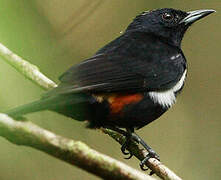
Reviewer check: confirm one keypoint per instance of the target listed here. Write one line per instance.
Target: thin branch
(73, 152)
(157, 167)
(29, 70)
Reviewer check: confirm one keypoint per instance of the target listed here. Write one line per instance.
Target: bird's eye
(167, 17)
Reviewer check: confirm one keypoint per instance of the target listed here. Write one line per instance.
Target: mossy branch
(63, 147)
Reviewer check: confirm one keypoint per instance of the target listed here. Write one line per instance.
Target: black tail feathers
(25, 109)
(71, 105)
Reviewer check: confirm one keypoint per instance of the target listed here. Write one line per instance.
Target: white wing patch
(168, 98)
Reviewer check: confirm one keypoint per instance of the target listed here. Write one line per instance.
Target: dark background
(55, 34)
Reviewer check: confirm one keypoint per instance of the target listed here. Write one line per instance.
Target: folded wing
(124, 66)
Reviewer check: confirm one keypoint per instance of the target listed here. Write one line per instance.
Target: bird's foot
(124, 147)
(131, 136)
(151, 154)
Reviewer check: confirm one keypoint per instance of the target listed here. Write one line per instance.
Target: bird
(128, 83)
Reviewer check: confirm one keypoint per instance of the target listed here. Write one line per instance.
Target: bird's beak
(193, 16)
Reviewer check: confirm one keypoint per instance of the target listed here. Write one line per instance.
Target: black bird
(128, 83)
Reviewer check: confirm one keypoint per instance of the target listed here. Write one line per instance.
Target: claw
(131, 155)
(151, 173)
(132, 136)
(143, 162)
(142, 166)
(123, 150)
(151, 154)
(127, 142)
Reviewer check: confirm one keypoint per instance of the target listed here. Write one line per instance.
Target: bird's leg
(132, 136)
(127, 143)
(127, 135)
(151, 154)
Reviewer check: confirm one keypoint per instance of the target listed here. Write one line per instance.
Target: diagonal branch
(27, 70)
(70, 151)
(156, 166)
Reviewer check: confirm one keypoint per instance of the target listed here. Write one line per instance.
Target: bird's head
(167, 23)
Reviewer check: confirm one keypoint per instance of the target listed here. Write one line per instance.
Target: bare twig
(73, 152)
(29, 70)
(157, 167)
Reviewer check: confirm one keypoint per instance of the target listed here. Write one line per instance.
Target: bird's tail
(28, 108)
(69, 105)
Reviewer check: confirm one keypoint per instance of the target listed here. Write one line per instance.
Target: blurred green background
(55, 34)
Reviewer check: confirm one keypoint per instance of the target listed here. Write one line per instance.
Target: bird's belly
(130, 110)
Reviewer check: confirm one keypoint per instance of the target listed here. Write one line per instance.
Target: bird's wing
(127, 67)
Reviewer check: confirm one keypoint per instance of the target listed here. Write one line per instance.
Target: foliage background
(55, 34)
